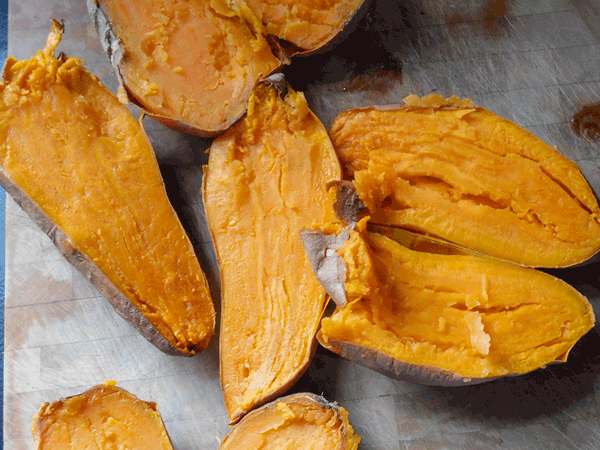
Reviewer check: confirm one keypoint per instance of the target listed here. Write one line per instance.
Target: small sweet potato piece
(81, 166)
(298, 421)
(266, 180)
(449, 319)
(461, 173)
(102, 417)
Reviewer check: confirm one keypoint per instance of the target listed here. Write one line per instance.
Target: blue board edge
(3, 53)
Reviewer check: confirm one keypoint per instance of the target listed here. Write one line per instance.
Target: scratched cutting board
(534, 62)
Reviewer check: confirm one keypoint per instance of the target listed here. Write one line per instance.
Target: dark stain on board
(586, 122)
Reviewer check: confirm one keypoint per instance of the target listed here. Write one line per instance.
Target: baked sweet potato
(103, 417)
(193, 65)
(265, 181)
(443, 319)
(461, 173)
(299, 421)
(75, 159)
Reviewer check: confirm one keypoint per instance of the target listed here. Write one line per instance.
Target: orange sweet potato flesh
(195, 62)
(68, 147)
(265, 182)
(473, 317)
(309, 24)
(101, 418)
(466, 175)
(300, 421)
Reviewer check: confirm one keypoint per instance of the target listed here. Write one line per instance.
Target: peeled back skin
(103, 417)
(464, 174)
(300, 421)
(82, 167)
(265, 182)
(190, 63)
(450, 319)
(308, 25)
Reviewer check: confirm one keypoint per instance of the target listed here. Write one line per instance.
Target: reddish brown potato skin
(399, 370)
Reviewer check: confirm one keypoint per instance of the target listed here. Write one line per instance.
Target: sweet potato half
(299, 421)
(75, 159)
(444, 319)
(266, 181)
(461, 173)
(102, 417)
(193, 65)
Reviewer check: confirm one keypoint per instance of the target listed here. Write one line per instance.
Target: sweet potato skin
(396, 369)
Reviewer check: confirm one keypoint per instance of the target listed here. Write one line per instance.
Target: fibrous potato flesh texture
(472, 316)
(308, 24)
(470, 177)
(296, 422)
(105, 417)
(69, 144)
(196, 61)
(265, 182)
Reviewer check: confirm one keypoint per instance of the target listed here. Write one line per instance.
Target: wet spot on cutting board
(586, 122)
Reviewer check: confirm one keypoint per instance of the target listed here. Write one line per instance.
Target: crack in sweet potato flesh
(472, 178)
(84, 159)
(105, 417)
(473, 316)
(307, 24)
(294, 423)
(194, 61)
(265, 182)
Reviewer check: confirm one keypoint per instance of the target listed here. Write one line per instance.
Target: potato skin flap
(461, 173)
(266, 181)
(82, 167)
(299, 421)
(100, 418)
